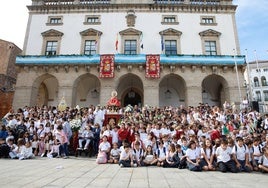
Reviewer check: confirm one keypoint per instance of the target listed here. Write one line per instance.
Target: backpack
(136, 151)
(259, 146)
(158, 151)
(244, 148)
(101, 158)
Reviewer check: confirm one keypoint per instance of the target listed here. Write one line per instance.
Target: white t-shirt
(256, 151)
(223, 155)
(207, 153)
(263, 161)
(104, 146)
(115, 152)
(240, 152)
(192, 154)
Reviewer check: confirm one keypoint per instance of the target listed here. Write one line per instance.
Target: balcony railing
(193, 2)
(71, 2)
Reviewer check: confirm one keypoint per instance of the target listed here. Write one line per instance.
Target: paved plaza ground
(84, 172)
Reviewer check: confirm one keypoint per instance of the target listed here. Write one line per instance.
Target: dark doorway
(132, 98)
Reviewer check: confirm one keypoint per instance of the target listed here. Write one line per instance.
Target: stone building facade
(196, 42)
(8, 74)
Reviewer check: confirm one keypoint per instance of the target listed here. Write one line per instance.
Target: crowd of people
(201, 138)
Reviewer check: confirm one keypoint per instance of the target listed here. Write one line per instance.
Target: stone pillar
(105, 94)
(151, 95)
(234, 94)
(22, 97)
(107, 86)
(193, 95)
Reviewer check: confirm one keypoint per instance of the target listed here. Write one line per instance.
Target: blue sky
(251, 17)
(252, 25)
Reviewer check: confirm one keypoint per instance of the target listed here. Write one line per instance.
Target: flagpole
(249, 77)
(237, 77)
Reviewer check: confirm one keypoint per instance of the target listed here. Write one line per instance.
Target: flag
(162, 43)
(116, 42)
(141, 42)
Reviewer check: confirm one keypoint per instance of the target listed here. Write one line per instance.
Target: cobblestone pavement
(84, 172)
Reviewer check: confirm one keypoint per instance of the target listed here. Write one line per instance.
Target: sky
(251, 17)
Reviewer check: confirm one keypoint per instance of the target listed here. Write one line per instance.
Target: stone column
(234, 94)
(193, 95)
(151, 95)
(107, 86)
(22, 97)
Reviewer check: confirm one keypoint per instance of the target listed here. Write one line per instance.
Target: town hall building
(151, 52)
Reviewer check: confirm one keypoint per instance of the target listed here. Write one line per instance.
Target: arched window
(263, 81)
(256, 82)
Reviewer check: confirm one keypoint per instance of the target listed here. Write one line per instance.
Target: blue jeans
(64, 149)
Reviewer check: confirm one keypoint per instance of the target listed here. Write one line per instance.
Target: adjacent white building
(257, 87)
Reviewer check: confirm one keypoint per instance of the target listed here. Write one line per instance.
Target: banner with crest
(152, 66)
(107, 66)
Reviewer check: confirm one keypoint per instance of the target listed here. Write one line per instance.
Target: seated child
(224, 158)
(161, 153)
(263, 161)
(172, 160)
(137, 154)
(114, 154)
(55, 149)
(193, 157)
(149, 157)
(126, 158)
(27, 151)
(182, 157)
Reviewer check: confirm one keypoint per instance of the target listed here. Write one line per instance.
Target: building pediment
(90, 32)
(210, 32)
(52, 33)
(130, 31)
(170, 32)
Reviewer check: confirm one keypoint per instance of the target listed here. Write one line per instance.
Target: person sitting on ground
(224, 158)
(126, 158)
(114, 154)
(137, 154)
(263, 161)
(182, 157)
(172, 160)
(149, 157)
(207, 156)
(161, 153)
(193, 157)
(241, 155)
(55, 149)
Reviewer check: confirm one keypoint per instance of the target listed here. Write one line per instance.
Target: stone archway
(172, 91)
(214, 90)
(86, 91)
(130, 90)
(45, 91)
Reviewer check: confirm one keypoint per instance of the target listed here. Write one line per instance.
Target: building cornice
(110, 8)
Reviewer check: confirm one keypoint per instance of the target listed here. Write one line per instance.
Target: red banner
(106, 66)
(152, 66)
